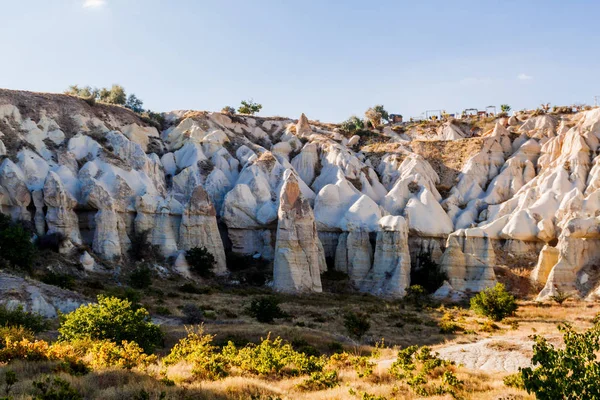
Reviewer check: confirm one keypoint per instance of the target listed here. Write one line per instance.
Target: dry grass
(317, 320)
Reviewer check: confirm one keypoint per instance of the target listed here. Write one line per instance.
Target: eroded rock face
(299, 256)
(528, 187)
(199, 228)
(37, 297)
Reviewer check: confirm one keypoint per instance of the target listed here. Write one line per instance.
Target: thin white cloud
(524, 77)
(94, 3)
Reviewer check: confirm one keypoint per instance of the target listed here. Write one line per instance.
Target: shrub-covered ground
(309, 350)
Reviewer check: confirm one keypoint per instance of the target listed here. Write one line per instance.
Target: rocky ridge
(308, 198)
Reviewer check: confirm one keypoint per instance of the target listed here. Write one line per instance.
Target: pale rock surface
(199, 228)
(299, 256)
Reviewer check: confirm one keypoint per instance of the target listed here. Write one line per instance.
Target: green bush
(201, 261)
(64, 281)
(14, 334)
(417, 296)
(55, 389)
(569, 373)
(10, 378)
(228, 110)
(249, 270)
(495, 303)
(197, 349)
(141, 277)
(320, 381)
(111, 319)
(356, 324)
(272, 358)
(192, 314)
(18, 317)
(265, 309)
(142, 250)
(429, 274)
(352, 124)
(249, 107)
(15, 243)
(505, 108)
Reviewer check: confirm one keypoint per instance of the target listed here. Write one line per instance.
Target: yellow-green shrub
(197, 349)
(272, 358)
(127, 355)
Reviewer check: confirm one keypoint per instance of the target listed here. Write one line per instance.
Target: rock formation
(299, 256)
(523, 194)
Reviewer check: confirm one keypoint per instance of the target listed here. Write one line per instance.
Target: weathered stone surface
(299, 256)
(199, 228)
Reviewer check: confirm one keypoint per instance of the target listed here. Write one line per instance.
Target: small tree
(201, 261)
(376, 114)
(249, 107)
(505, 108)
(352, 124)
(228, 110)
(495, 303)
(135, 104)
(15, 243)
(115, 95)
(265, 309)
(111, 319)
(356, 324)
(569, 373)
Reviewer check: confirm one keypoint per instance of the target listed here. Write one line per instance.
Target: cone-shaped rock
(299, 254)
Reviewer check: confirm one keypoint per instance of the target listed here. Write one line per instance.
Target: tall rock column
(390, 275)
(299, 255)
(199, 228)
(60, 216)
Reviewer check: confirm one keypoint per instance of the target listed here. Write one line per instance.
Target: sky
(327, 58)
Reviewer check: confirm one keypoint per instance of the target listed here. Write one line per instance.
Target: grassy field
(314, 322)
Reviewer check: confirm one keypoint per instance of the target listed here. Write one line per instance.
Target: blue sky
(329, 59)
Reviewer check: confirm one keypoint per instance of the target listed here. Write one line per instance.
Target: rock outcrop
(524, 194)
(299, 256)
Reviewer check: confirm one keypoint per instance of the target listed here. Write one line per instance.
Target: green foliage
(197, 349)
(505, 108)
(201, 261)
(320, 381)
(14, 334)
(376, 114)
(15, 243)
(64, 281)
(10, 378)
(560, 297)
(272, 358)
(249, 107)
(115, 95)
(228, 110)
(514, 381)
(418, 366)
(248, 269)
(17, 317)
(55, 389)
(417, 296)
(154, 119)
(141, 277)
(352, 125)
(127, 355)
(265, 309)
(356, 324)
(142, 250)
(111, 319)
(569, 373)
(192, 314)
(134, 104)
(495, 303)
(429, 274)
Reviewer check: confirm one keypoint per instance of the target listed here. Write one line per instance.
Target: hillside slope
(525, 194)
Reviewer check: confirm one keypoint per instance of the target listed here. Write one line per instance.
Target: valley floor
(487, 351)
